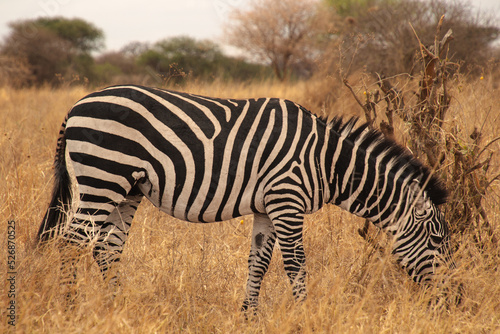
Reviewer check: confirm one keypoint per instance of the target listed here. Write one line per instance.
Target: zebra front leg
(261, 252)
(113, 235)
(289, 234)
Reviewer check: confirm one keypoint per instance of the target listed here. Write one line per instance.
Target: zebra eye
(421, 213)
(436, 239)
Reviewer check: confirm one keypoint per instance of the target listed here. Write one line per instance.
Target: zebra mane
(414, 168)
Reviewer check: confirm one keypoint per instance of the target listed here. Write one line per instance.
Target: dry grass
(181, 277)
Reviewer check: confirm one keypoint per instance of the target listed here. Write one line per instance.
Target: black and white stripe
(203, 160)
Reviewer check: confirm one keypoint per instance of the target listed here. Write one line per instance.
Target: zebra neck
(363, 178)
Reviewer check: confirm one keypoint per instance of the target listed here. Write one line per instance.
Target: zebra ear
(417, 195)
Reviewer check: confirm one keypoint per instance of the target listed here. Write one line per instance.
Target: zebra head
(422, 236)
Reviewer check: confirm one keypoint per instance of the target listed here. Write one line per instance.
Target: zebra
(203, 159)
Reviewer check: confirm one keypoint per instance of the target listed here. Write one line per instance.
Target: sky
(127, 21)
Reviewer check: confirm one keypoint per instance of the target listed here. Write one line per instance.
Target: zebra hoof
(249, 310)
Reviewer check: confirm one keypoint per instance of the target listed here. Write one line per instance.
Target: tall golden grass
(182, 277)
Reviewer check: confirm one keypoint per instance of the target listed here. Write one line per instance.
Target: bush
(422, 105)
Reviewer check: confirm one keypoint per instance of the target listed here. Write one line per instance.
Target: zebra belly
(198, 211)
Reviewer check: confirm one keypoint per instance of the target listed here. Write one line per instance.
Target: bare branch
(486, 146)
(365, 108)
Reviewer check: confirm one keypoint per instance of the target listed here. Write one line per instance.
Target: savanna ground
(181, 277)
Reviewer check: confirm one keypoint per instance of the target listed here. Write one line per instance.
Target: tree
(380, 34)
(44, 56)
(178, 57)
(83, 36)
(281, 33)
(53, 46)
(115, 67)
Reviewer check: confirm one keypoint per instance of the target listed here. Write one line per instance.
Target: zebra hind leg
(261, 252)
(113, 235)
(84, 230)
(77, 237)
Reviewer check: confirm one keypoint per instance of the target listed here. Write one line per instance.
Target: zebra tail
(57, 213)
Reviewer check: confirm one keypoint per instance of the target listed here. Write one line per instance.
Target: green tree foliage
(381, 33)
(53, 46)
(178, 57)
(116, 67)
(354, 8)
(83, 36)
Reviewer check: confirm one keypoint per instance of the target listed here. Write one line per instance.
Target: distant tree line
(287, 39)
(59, 50)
